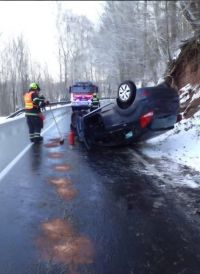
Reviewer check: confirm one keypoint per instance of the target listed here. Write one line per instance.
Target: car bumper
(80, 107)
(163, 123)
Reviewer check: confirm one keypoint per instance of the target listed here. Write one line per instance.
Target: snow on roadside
(2, 119)
(182, 144)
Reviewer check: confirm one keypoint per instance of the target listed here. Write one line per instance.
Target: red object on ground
(71, 138)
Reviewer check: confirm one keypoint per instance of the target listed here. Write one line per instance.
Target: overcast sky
(36, 21)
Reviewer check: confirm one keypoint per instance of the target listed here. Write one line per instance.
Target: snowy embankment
(182, 144)
(2, 119)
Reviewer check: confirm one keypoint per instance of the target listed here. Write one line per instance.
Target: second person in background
(95, 102)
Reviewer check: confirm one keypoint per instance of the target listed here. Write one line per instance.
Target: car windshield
(83, 89)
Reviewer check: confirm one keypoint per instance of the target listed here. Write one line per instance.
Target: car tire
(126, 94)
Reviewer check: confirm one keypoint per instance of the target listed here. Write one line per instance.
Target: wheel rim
(124, 92)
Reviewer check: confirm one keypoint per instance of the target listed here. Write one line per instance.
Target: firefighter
(33, 104)
(95, 102)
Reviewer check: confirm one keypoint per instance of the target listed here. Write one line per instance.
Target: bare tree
(74, 46)
(191, 10)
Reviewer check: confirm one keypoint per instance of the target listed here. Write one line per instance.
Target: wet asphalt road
(66, 210)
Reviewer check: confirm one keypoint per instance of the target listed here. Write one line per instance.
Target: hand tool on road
(61, 138)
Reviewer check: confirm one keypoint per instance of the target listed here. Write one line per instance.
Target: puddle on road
(60, 244)
(64, 188)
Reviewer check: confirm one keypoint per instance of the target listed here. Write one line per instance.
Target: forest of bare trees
(134, 40)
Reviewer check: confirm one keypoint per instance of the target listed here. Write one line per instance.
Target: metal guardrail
(16, 113)
(23, 109)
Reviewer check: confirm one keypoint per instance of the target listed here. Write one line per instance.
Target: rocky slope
(184, 73)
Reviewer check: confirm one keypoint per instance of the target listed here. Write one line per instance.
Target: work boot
(38, 140)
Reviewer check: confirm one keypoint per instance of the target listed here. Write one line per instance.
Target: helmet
(94, 94)
(34, 86)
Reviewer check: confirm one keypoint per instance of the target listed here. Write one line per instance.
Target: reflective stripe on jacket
(95, 101)
(28, 100)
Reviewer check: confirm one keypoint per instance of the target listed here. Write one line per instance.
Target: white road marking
(21, 154)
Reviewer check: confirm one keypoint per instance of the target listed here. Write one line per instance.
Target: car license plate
(129, 135)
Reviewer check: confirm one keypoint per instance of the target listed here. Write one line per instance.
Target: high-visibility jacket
(28, 100)
(33, 103)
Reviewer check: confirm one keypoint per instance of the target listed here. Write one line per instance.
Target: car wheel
(126, 94)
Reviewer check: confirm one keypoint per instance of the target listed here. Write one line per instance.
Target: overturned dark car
(136, 115)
